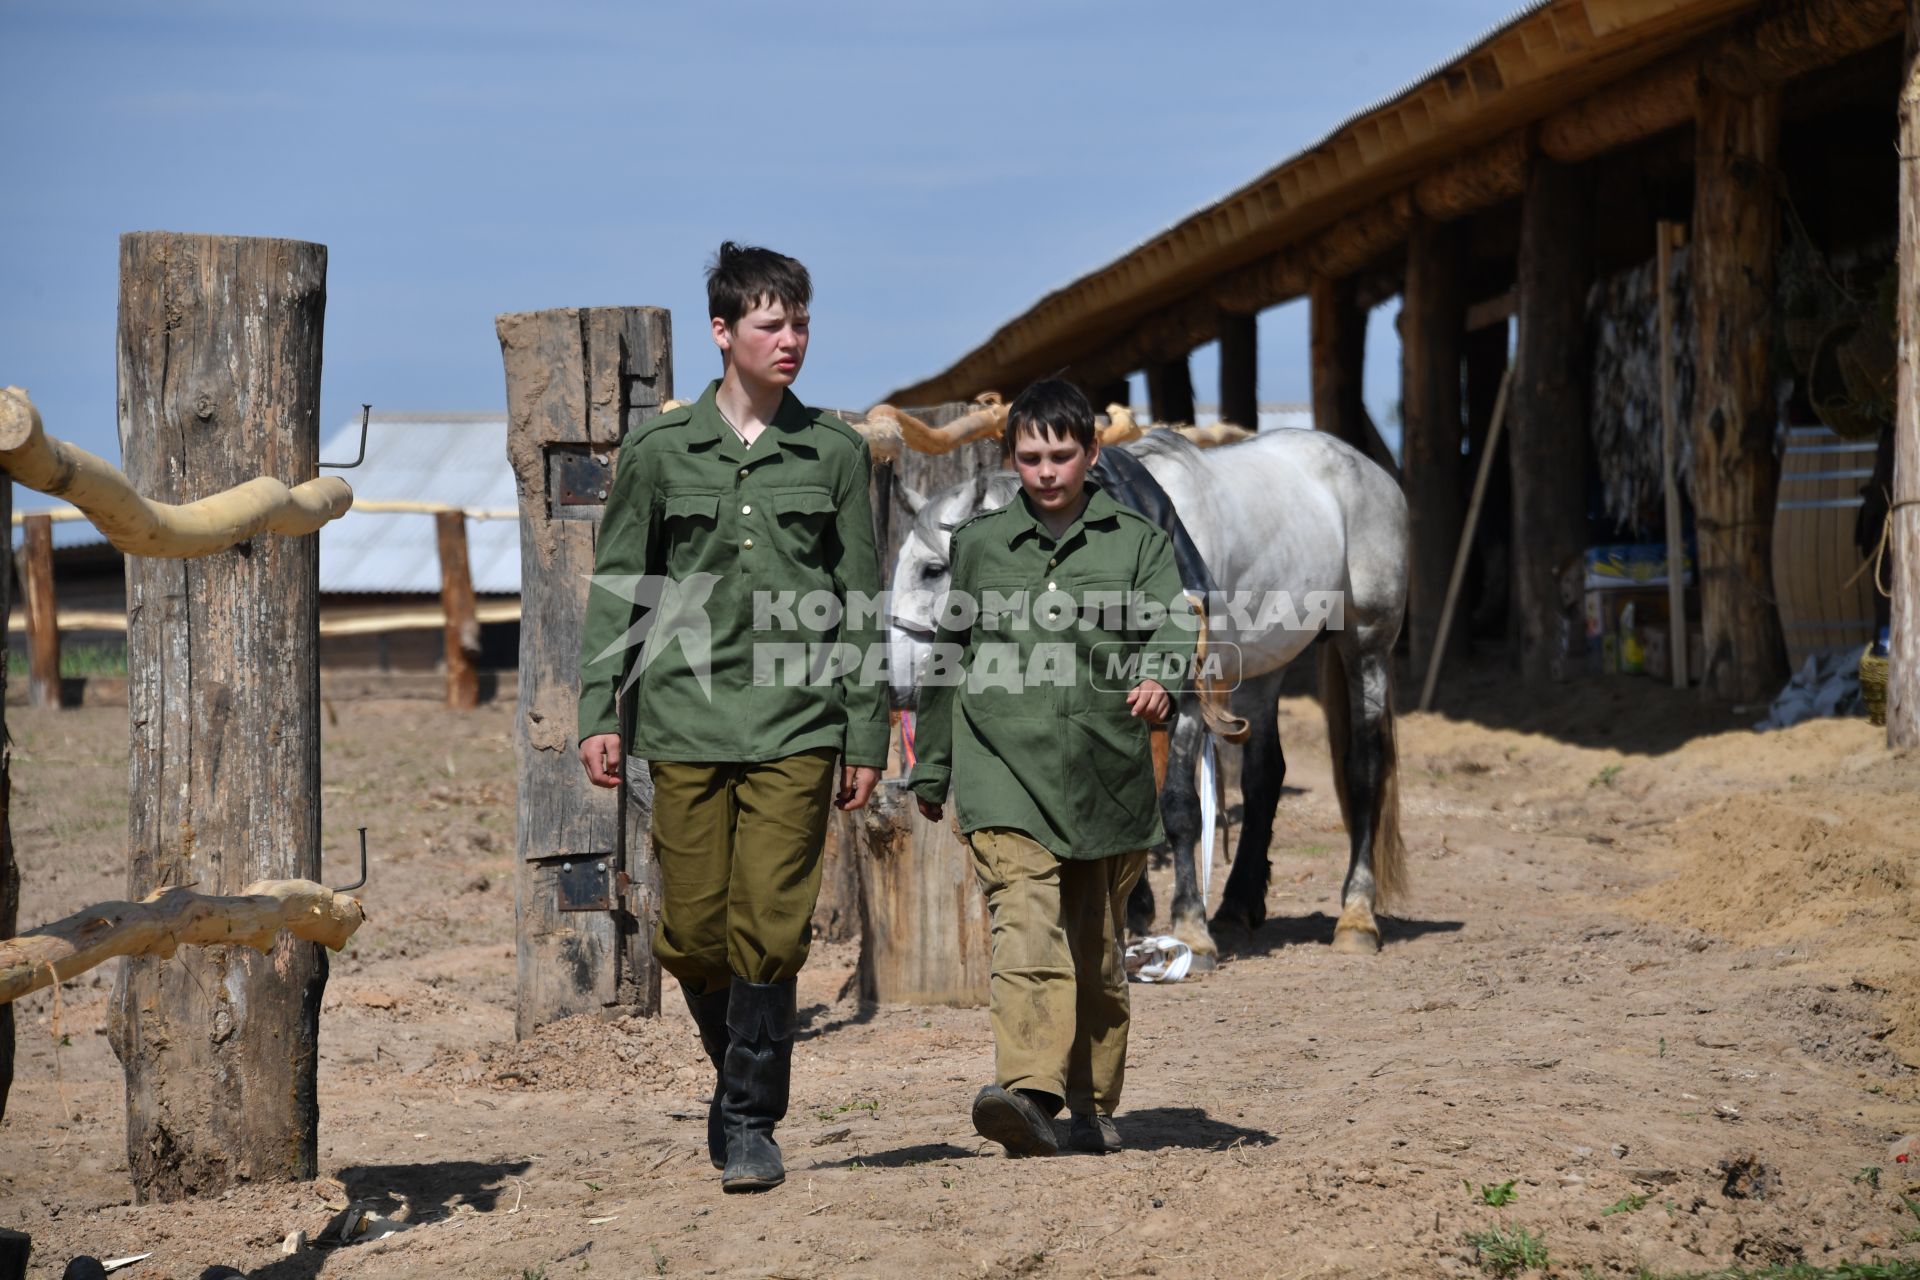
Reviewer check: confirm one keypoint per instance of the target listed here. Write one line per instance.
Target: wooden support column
(1240, 370)
(43, 622)
(578, 379)
(1736, 474)
(1487, 590)
(1170, 391)
(1102, 394)
(219, 364)
(1337, 351)
(1433, 334)
(9, 868)
(1547, 457)
(456, 601)
(1903, 666)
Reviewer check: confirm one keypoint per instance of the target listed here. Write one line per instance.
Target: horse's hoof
(1231, 933)
(1356, 942)
(1206, 954)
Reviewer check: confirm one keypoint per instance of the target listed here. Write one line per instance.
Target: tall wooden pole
(1240, 370)
(587, 894)
(1433, 333)
(219, 372)
(1170, 391)
(1667, 238)
(9, 869)
(1547, 449)
(1736, 473)
(43, 623)
(456, 601)
(1903, 665)
(1101, 394)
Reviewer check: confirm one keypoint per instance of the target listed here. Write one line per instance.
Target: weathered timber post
(1486, 369)
(587, 891)
(1240, 370)
(43, 623)
(219, 381)
(1903, 666)
(1433, 322)
(1170, 391)
(1102, 394)
(456, 601)
(928, 938)
(1337, 352)
(1736, 473)
(1547, 446)
(9, 869)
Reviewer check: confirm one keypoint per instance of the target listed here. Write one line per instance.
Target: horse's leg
(1140, 909)
(1366, 771)
(1180, 814)
(1243, 904)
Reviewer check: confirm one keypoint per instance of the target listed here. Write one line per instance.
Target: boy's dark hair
(1050, 407)
(743, 277)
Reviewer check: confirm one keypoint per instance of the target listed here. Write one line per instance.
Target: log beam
(1736, 477)
(1547, 449)
(1433, 331)
(1239, 370)
(1903, 667)
(219, 359)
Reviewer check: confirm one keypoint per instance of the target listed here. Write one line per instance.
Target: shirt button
(743, 471)
(747, 510)
(1053, 562)
(1053, 586)
(748, 544)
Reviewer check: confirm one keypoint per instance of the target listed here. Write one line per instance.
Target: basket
(1873, 687)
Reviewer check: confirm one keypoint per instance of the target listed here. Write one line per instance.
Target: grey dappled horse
(1288, 511)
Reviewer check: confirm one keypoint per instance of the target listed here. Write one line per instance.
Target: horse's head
(923, 572)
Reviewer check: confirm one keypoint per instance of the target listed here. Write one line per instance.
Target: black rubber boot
(760, 1016)
(710, 1015)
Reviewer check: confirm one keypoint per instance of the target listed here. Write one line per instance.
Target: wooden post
(1903, 662)
(1490, 572)
(1736, 474)
(219, 370)
(1240, 370)
(1433, 322)
(1337, 345)
(456, 601)
(578, 379)
(1547, 445)
(1668, 236)
(1102, 394)
(1484, 469)
(9, 868)
(928, 937)
(1170, 392)
(43, 623)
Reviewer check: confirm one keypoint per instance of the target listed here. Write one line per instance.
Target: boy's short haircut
(1050, 407)
(743, 277)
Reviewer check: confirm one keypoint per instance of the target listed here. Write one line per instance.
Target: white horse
(1286, 522)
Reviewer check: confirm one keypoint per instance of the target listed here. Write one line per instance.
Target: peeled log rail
(139, 527)
(160, 924)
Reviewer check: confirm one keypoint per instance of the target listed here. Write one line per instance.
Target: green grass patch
(1507, 1251)
(78, 660)
(1797, 1271)
(1497, 1194)
(1629, 1204)
(1606, 777)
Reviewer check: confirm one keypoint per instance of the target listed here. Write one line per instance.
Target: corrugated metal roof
(457, 459)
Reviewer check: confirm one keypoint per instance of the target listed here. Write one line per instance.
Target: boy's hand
(929, 810)
(856, 784)
(1149, 701)
(601, 755)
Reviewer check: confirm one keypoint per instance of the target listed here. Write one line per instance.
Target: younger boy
(1060, 601)
(743, 495)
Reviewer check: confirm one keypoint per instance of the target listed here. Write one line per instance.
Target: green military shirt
(742, 662)
(1027, 717)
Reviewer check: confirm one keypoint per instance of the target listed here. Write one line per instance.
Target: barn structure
(1514, 199)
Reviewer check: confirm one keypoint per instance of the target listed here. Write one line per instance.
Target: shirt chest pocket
(804, 517)
(687, 517)
(1104, 607)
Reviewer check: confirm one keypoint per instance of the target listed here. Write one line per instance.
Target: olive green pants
(1059, 987)
(739, 852)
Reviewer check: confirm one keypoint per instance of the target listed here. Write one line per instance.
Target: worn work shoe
(1093, 1133)
(1013, 1120)
(760, 1020)
(710, 1015)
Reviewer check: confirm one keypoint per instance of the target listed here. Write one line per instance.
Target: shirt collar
(1100, 510)
(792, 424)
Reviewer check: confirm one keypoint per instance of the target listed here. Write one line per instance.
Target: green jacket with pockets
(746, 659)
(1028, 720)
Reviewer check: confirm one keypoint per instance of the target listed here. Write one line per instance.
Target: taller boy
(737, 501)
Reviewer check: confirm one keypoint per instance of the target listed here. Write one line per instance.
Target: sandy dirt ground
(1658, 973)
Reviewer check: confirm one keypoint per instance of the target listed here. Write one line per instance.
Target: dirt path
(1662, 980)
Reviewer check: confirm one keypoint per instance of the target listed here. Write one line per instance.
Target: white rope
(1209, 814)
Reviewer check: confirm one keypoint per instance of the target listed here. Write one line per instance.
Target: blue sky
(937, 167)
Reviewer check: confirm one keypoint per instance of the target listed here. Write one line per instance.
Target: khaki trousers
(1059, 988)
(739, 852)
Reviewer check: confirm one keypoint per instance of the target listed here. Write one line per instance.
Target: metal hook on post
(366, 414)
(348, 888)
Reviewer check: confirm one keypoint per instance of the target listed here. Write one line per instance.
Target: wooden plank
(578, 379)
(43, 626)
(1668, 236)
(9, 867)
(456, 601)
(928, 939)
(1903, 666)
(219, 364)
(1736, 476)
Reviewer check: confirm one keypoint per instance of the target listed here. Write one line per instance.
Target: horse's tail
(1389, 850)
